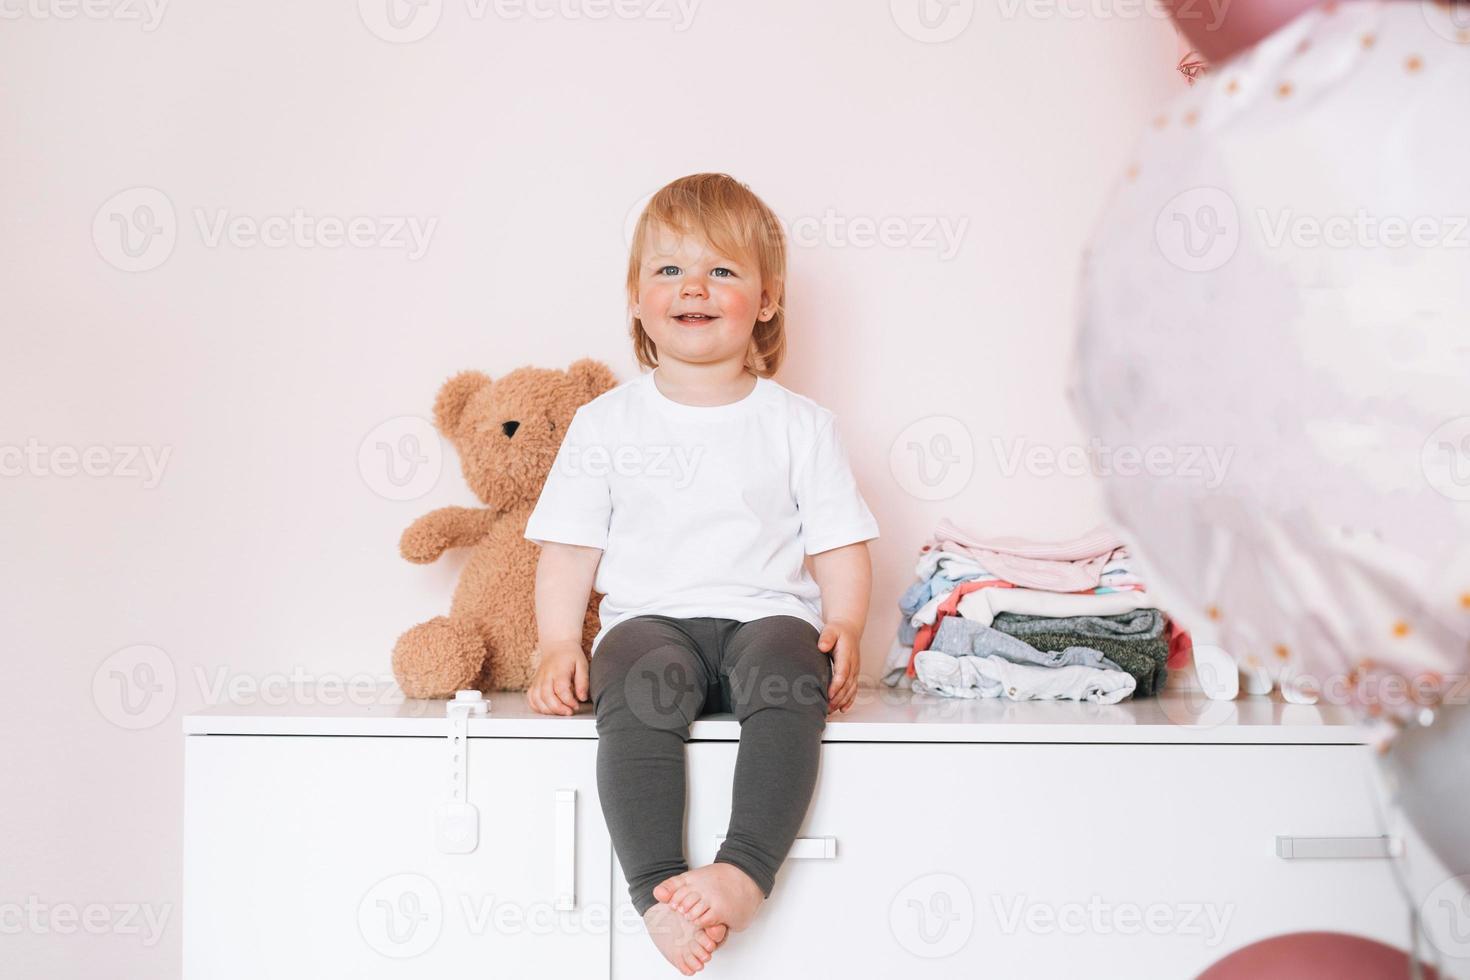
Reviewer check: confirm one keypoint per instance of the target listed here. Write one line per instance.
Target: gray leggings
(650, 678)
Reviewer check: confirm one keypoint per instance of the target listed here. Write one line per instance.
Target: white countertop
(881, 714)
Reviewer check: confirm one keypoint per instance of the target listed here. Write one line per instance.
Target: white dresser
(946, 839)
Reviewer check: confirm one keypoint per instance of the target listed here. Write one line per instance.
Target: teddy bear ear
(592, 377)
(450, 403)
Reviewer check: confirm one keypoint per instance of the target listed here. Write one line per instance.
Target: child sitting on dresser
(693, 496)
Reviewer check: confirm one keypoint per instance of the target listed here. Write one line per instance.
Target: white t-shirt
(702, 510)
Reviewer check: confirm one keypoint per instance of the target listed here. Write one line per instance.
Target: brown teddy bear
(507, 433)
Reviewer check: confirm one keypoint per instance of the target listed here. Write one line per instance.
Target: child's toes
(709, 919)
(684, 896)
(692, 962)
(706, 941)
(665, 889)
(697, 910)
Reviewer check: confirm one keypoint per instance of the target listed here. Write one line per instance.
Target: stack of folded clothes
(1010, 617)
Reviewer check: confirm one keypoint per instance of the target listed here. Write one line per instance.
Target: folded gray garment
(1140, 624)
(1134, 640)
(961, 637)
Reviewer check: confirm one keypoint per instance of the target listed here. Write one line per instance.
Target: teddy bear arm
(448, 527)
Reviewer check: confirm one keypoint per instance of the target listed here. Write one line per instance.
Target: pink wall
(263, 549)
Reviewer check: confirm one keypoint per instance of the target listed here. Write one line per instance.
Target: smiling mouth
(695, 318)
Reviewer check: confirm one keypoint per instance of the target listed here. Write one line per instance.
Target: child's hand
(845, 664)
(560, 681)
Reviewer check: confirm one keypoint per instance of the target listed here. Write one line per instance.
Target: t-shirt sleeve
(575, 506)
(833, 512)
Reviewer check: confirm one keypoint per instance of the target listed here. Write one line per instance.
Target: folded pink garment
(1073, 565)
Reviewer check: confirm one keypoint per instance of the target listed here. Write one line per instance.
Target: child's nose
(693, 286)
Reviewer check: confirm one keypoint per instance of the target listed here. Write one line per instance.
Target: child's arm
(845, 576)
(564, 577)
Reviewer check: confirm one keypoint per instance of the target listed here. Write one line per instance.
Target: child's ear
(591, 378)
(771, 299)
(450, 403)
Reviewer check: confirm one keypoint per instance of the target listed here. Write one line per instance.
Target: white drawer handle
(566, 850)
(807, 848)
(1298, 848)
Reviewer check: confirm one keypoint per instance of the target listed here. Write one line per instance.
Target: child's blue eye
(665, 271)
(716, 272)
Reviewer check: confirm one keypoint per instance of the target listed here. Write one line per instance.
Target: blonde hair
(728, 216)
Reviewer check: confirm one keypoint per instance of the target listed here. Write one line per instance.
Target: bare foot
(683, 943)
(717, 893)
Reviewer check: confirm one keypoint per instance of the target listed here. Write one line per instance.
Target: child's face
(697, 305)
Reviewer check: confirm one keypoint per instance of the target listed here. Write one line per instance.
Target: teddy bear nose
(509, 428)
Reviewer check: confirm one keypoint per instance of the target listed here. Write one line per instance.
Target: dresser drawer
(1045, 860)
(316, 856)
